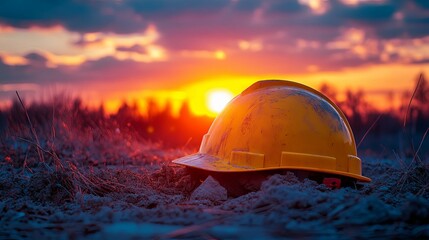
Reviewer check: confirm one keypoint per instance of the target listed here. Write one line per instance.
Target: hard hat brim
(210, 163)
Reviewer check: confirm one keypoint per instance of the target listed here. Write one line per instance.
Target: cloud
(286, 6)
(138, 53)
(247, 6)
(367, 12)
(317, 6)
(96, 41)
(56, 47)
(225, 21)
(165, 8)
(37, 74)
(149, 36)
(36, 57)
(422, 3)
(357, 43)
(135, 48)
(251, 45)
(75, 15)
(13, 60)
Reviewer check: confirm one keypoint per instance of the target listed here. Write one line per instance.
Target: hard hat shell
(276, 124)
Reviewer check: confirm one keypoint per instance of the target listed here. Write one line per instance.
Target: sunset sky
(115, 50)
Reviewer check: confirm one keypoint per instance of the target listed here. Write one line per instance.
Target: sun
(217, 100)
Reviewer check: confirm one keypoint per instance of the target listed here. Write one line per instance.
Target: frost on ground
(105, 185)
(152, 198)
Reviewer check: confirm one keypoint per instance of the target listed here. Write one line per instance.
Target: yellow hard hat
(276, 124)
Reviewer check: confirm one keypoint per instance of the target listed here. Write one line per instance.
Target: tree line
(400, 128)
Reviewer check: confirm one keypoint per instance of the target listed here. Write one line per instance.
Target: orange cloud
(349, 38)
(317, 6)
(253, 45)
(98, 40)
(357, 43)
(153, 53)
(53, 60)
(5, 29)
(98, 45)
(13, 60)
(56, 45)
(408, 50)
(357, 2)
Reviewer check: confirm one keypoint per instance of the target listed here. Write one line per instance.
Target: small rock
(211, 190)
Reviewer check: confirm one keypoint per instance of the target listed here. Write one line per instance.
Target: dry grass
(411, 99)
(108, 176)
(78, 149)
(33, 131)
(415, 176)
(66, 179)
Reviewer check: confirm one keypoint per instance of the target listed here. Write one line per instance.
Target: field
(98, 98)
(62, 179)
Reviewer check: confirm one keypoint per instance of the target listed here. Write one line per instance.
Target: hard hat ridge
(276, 124)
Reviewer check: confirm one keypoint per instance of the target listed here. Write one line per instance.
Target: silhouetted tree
(153, 108)
(355, 107)
(329, 91)
(185, 110)
(161, 126)
(390, 97)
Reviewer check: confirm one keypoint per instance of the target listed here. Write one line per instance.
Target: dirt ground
(132, 191)
(98, 185)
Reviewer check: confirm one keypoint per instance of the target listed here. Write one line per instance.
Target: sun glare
(217, 100)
